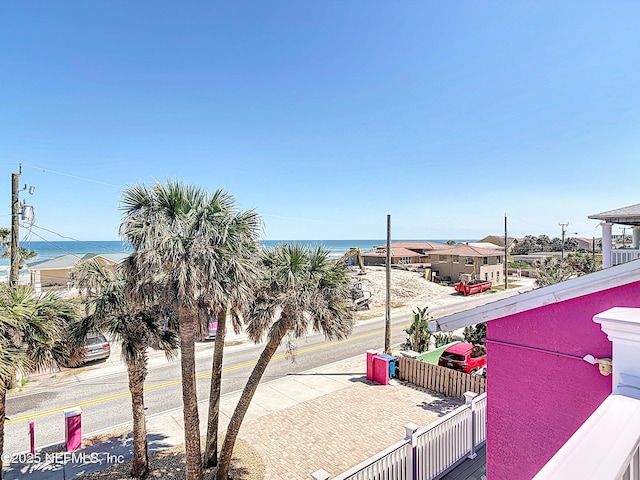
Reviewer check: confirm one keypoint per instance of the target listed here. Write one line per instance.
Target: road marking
(170, 383)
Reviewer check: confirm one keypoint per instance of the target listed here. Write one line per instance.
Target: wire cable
(35, 167)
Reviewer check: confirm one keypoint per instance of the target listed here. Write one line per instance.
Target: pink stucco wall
(536, 401)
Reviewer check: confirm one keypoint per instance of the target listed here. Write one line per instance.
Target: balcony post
(468, 399)
(410, 430)
(622, 326)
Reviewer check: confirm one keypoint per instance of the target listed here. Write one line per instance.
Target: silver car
(96, 348)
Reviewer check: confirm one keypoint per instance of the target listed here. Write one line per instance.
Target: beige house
(57, 271)
(399, 256)
(403, 253)
(480, 263)
(499, 240)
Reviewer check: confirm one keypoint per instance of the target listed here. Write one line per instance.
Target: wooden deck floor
(475, 469)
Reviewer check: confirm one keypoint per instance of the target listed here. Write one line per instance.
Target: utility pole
(15, 229)
(564, 229)
(624, 237)
(506, 253)
(387, 312)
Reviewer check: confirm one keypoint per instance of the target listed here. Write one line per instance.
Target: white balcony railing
(623, 255)
(427, 452)
(606, 446)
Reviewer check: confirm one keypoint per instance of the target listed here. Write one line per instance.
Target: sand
(409, 291)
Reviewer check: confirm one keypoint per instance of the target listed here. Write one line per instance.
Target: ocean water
(48, 250)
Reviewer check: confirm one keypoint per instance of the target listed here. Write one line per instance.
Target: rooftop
(625, 216)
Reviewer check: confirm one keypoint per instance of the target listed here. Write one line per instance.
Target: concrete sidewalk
(329, 417)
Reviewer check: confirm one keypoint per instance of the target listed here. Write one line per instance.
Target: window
(498, 276)
(498, 259)
(443, 258)
(492, 276)
(405, 260)
(485, 260)
(486, 276)
(468, 261)
(456, 259)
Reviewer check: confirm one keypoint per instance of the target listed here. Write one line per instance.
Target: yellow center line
(170, 383)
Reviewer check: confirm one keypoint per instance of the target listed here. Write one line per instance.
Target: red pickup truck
(475, 286)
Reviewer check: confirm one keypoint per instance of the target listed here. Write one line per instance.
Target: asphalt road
(104, 396)
(101, 390)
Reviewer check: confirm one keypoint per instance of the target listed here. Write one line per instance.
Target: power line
(35, 167)
(97, 246)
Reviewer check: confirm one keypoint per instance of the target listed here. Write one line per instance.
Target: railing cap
(469, 396)
(320, 475)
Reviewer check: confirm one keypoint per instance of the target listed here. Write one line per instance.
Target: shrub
(475, 333)
(419, 334)
(443, 338)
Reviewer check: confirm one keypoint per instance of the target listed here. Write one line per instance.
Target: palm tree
(301, 289)
(233, 290)
(543, 241)
(5, 243)
(180, 234)
(229, 289)
(551, 270)
(32, 330)
(136, 326)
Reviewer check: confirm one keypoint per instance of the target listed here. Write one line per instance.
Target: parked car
(481, 373)
(464, 357)
(97, 347)
(210, 333)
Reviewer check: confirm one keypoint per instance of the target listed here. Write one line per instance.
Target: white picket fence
(428, 452)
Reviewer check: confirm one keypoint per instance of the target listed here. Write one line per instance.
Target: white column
(635, 235)
(606, 244)
(622, 326)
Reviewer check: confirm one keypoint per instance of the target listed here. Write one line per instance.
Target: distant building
(481, 263)
(499, 240)
(57, 271)
(402, 253)
(589, 244)
(630, 218)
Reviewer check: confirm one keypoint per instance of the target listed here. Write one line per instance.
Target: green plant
(418, 331)
(475, 333)
(443, 338)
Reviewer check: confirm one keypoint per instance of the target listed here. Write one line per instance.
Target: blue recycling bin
(392, 364)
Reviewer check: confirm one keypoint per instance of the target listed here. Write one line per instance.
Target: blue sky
(326, 116)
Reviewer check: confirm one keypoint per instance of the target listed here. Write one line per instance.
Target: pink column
(371, 354)
(73, 429)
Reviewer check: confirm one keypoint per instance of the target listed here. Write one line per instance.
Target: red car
(465, 357)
